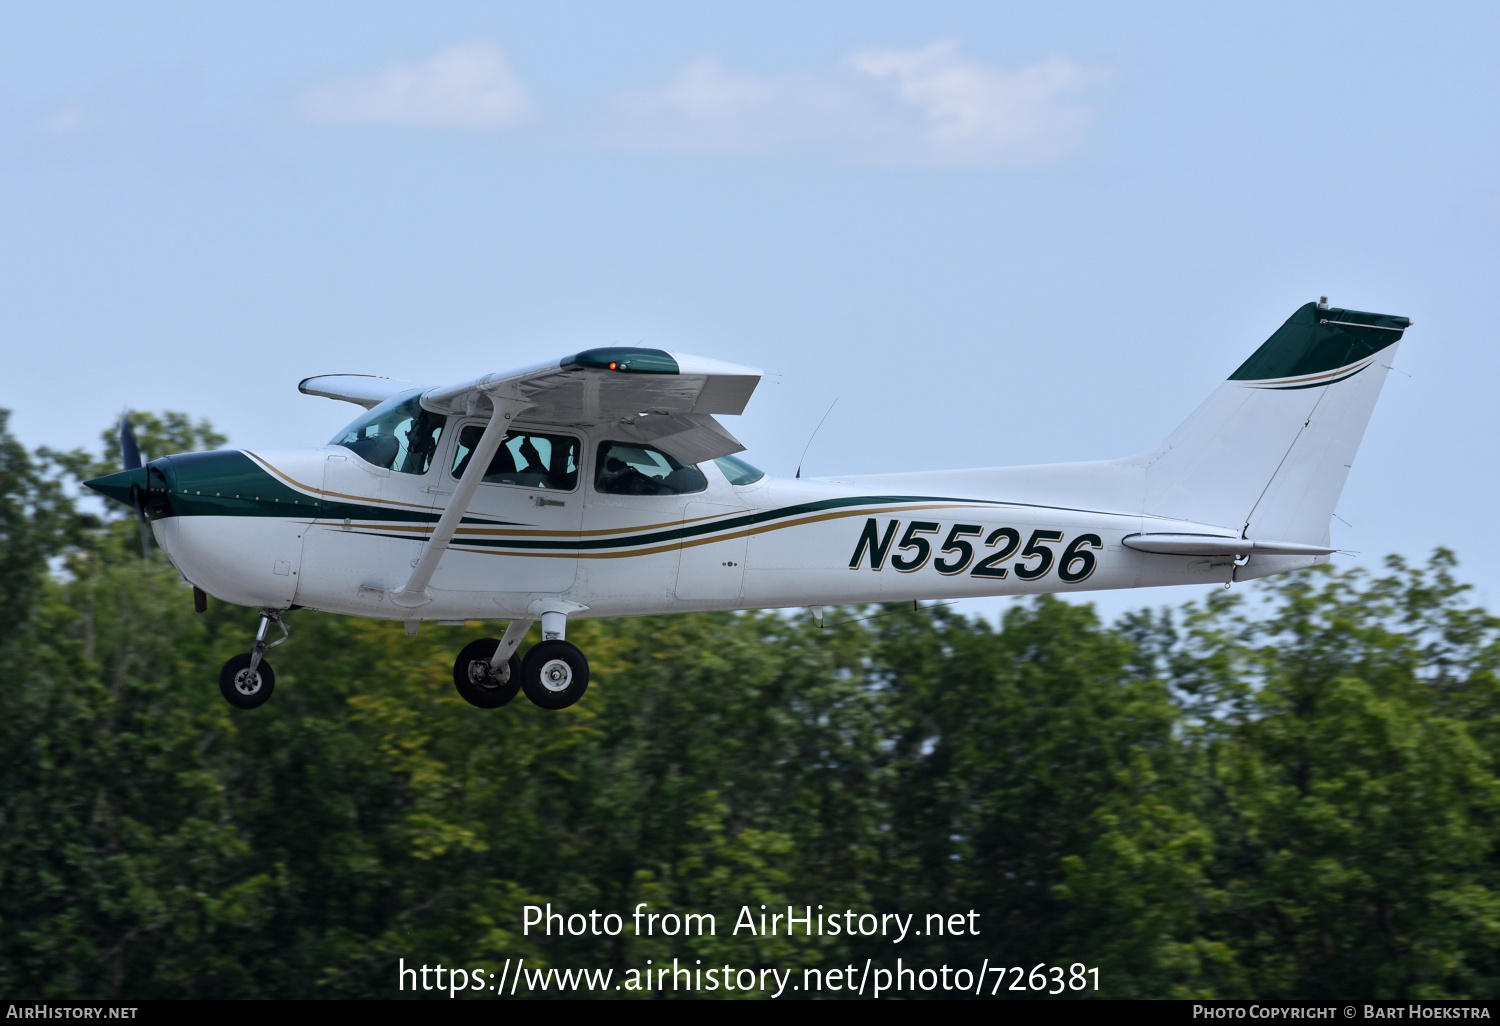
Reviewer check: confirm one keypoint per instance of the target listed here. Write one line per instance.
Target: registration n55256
(975, 549)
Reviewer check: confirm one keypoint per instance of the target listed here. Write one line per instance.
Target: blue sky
(996, 234)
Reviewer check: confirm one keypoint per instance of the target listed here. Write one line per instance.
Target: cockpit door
(378, 506)
(522, 527)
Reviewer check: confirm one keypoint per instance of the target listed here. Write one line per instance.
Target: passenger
(503, 466)
(531, 456)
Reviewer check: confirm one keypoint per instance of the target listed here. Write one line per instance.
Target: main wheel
(477, 684)
(243, 689)
(555, 674)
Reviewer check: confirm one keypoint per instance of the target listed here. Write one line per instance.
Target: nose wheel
(555, 674)
(246, 687)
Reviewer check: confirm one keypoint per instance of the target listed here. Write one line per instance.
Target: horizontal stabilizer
(1217, 545)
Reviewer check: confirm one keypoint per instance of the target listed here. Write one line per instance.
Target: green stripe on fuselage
(727, 525)
(227, 483)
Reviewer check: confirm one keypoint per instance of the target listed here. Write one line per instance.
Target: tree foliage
(1294, 795)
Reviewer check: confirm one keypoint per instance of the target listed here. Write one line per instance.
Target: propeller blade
(130, 459)
(138, 500)
(130, 452)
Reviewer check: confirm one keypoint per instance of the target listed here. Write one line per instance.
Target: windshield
(738, 471)
(398, 435)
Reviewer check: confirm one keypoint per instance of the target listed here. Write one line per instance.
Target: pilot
(421, 442)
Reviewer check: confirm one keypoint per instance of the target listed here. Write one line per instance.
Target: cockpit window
(398, 435)
(524, 458)
(625, 468)
(738, 471)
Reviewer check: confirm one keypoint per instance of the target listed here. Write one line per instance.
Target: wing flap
(690, 437)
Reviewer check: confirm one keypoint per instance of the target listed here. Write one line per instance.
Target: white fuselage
(343, 535)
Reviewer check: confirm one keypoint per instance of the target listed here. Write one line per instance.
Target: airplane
(610, 489)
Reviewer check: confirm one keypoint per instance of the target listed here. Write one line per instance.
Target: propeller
(130, 459)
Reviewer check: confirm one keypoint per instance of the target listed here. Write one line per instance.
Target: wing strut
(415, 592)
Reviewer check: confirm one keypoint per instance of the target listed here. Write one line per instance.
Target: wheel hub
(247, 682)
(556, 675)
(481, 675)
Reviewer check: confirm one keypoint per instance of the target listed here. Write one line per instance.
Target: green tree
(1006, 744)
(1338, 756)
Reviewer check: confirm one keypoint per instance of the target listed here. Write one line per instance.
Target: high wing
(665, 399)
(367, 390)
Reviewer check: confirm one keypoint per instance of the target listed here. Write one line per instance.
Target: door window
(524, 458)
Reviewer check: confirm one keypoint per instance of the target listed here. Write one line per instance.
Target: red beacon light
(613, 365)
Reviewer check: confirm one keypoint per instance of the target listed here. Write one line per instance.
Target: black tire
(239, 689)
(472, 678)
(555, 674)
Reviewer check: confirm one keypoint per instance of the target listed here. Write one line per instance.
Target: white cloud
(710, 109)
(470, 86)
(976, 109)
(932, 105)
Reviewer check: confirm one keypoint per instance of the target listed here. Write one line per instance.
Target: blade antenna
(808, 446)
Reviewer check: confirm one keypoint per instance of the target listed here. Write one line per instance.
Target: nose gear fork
(258, 650)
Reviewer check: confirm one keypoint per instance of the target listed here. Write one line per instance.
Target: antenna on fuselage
(814, 435)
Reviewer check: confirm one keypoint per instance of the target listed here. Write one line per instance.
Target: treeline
(1285, 790)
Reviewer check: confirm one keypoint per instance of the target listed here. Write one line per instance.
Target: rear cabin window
(398, 435)
(524, 458)
(625, 468)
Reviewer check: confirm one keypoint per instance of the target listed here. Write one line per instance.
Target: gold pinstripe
(1314, 377)
(708, 539)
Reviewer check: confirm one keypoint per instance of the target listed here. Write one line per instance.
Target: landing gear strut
(247, 680)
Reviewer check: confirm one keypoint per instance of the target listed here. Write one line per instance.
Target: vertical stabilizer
(1268, 453)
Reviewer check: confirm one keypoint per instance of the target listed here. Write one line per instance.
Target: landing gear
(555, 674)
(247, 680)
(478, 682)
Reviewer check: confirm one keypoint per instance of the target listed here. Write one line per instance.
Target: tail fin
(1268, 453)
